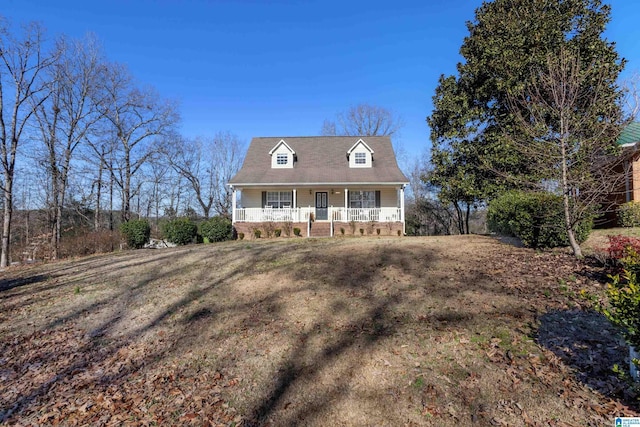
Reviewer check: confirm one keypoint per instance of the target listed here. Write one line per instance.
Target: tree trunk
(111, 183)
(459, 219)
(96, 215)
(126, 190)
(565, 194)
(5, 256)
(466, 218)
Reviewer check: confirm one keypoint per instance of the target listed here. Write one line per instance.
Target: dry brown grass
(371, 331)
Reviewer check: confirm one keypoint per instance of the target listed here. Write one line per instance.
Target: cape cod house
(324, 186)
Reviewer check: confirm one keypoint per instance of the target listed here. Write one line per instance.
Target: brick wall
(350, 229)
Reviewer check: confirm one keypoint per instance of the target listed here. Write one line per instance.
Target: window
(362, 199)
(282, 159)
(279, 199)
(361, 158)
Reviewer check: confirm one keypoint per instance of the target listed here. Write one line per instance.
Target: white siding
(389, 198)
(251, 199)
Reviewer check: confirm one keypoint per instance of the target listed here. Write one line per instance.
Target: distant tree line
(85, 145)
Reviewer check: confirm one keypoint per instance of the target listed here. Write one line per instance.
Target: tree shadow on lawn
(588, 343)
(78, 356)
(316, 376)
(7, 284)
(358, 278)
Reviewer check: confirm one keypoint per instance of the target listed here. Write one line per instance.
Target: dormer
(282, 156)
(360, 155)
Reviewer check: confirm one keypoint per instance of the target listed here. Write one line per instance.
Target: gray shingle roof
(320, 160)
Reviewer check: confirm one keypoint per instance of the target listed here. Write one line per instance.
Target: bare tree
(571, 116)
(23, 61)
(208, 164)
(136, 116)
(67, 116)
(631, 87)
(363, 120)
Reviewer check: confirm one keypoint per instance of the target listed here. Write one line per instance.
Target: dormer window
(282, 159)
(282, 156)
(360, 155)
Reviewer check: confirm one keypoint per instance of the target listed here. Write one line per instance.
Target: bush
(624, 298)
(629, 214)
(241, 236)
(277, 232)
(620, 246)
(535, 218)
(296, 231)
(136, 232)
(180, 231)
(217, 229)
(257, 233)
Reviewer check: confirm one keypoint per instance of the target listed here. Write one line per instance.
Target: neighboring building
(626, 184)
(329, 185)
(629, 140)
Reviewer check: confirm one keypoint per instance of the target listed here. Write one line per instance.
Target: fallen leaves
(63, 376)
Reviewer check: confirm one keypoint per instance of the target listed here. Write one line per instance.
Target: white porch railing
(366, 214)
(273, 214)
(302, 214)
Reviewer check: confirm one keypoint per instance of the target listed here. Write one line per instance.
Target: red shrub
(619, 245)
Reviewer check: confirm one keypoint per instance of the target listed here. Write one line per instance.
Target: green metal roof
(630, 135)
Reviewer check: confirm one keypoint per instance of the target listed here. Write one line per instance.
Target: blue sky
(279, 68)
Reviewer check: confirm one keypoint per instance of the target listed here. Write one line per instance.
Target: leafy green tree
(475, 123)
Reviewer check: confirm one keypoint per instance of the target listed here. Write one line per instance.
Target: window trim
(282, 159)
(279, 199)
(360, 158)
(362, 199)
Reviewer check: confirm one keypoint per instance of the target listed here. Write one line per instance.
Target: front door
(322, 211)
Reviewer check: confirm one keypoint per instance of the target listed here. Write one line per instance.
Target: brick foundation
(318, 229)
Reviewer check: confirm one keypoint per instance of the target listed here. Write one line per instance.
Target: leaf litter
(509, 341)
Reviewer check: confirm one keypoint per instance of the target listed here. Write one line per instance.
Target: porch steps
(320, 229)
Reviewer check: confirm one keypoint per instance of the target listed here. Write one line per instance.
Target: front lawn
(460, 330)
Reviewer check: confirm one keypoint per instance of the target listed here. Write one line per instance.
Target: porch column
(346, 204)
(233, 205)
(295, 204)
(402, 208)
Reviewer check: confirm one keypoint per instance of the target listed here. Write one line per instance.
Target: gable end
(282, 156)
(360, 155)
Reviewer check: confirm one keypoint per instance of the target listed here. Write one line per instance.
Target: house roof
(319, 160)
(630, 135)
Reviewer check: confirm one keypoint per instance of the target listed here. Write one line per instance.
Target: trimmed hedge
(537, 219)
(136, 232)
(181, 231)
(217, 229)
(629, 214)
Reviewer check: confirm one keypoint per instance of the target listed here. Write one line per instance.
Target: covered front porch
(344, 206)
(330, 213)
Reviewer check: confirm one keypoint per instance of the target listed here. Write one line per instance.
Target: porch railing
(366, 214)
(302, 214)
(273, 214)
